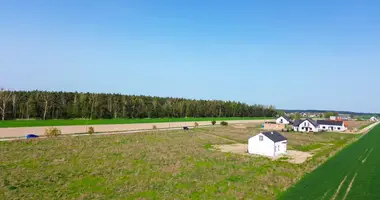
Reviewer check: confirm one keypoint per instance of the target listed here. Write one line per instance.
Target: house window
(338, 128)
(261, 138)
(324, 127)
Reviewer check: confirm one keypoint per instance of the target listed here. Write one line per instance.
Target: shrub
(91, 130)
(52, 132)
(223, 123)
(154, 127)
(213, 122)
(196, 124)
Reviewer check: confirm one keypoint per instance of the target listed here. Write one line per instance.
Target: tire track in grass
(363, 161)
(324, 196)
(349, 187)
(339, 187)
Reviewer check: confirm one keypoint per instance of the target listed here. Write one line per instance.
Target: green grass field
(34, 123)
(155, 165)
(353, 173)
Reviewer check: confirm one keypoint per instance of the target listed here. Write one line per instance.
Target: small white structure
(283, 120)
(267, 144)
(307, 125)
(373, 119)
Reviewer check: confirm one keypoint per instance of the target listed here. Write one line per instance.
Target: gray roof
(330, 122)
(298, 122)
(287, 118)
(274, 136)
(315, 124)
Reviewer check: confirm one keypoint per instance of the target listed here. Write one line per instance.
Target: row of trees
(69, 105)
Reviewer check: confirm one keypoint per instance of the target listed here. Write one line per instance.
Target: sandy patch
(297, 157)
(233, 148)
(292, 156)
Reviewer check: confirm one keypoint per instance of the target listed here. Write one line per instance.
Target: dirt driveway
(291, 156)
(22, 131)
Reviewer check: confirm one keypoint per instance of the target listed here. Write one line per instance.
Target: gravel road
(22, 131)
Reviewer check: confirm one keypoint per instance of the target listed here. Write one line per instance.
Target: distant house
(340, 118)
(328, 125)
(309, 125)
(267, 144)
(283, 120)
(373, 119)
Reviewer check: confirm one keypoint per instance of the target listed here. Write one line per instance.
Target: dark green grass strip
(358, 165)
(34, 123)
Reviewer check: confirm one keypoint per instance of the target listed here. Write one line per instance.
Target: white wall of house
(262, 145)
(307, 126)
(280, 147)
(331, 128)
(282, 120)
(373, 119)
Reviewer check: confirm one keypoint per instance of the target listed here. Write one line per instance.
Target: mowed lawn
(156, 165)
(63, 122)
(354, 173)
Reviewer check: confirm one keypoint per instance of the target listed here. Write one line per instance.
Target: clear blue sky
(293, 54)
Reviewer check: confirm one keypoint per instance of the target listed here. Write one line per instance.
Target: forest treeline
(70, 105)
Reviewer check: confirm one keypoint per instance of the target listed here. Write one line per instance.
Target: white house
(328, 125)
(307, 125)
(267, 144)
(283, 120)
(373, 119)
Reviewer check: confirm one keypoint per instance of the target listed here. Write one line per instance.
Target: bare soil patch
(356, 124)
(239, 126)
(292, 156)
(297, 157)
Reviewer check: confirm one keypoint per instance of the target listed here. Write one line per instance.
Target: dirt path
(22, 131)
(368, 128)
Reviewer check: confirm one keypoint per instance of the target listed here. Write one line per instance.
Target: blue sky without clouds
(293, 54)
